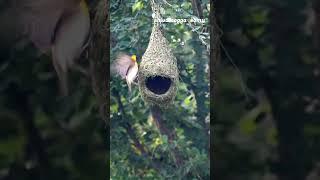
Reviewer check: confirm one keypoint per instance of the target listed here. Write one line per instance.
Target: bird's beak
(134, 58)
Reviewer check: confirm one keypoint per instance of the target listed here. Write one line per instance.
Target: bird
(126, 67)
(59, 27)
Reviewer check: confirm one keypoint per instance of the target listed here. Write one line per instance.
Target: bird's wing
(122, 64)
(39, 19)
(68, 43)
(70, 37)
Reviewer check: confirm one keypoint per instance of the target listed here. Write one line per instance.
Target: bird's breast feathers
(132, 72)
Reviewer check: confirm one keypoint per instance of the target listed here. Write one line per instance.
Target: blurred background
(44, 135)
(137, 149)
(266, 122)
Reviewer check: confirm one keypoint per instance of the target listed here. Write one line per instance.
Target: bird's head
(134, 58)
(84, 6)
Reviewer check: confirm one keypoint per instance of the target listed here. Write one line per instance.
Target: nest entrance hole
(158, 84)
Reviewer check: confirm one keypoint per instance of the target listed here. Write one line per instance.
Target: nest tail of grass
(158, 71)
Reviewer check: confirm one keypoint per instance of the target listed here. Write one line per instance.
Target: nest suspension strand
(158, 71)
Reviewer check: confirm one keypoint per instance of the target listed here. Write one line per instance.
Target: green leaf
(137, 6)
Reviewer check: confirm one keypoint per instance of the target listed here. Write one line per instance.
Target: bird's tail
(129, 86)
(62, 75)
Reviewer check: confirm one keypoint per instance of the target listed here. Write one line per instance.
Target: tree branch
(132, 135)
(99, 57)
(157, 117)
(200, 73)
(197, 9)
(215, 55)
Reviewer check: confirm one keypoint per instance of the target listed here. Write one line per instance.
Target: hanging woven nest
(158, 72)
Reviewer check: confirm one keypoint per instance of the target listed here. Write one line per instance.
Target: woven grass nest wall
(158, 72)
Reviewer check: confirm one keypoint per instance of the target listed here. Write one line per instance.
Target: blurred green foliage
(131, 120)
(43, 135)
(266, 121)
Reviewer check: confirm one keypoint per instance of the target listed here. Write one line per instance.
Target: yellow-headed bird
(127, 67)
(59, 26)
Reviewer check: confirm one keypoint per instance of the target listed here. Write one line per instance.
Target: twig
(242, 84)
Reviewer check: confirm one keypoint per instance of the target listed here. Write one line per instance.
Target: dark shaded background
(44, 135)
(266, 123)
